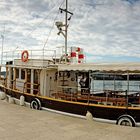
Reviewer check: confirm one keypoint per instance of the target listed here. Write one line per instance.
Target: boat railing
(90, 99)
(109, 97)
(41, 54)
(22, 86)
(35, 88)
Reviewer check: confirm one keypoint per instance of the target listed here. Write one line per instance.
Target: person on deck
(82, 84)
(87, 84)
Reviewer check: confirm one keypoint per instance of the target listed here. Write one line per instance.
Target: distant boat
(63, 85)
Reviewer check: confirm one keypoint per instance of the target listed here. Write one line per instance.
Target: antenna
(60, 25)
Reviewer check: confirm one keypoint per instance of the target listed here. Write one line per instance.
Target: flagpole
(2, 40)
(2, 37)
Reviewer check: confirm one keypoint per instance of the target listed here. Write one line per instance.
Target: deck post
(6, 76)
(57, 80)
(32, 80)
(14, 79)
(26, 80)
(93, 84)
(0, 72)
(103, 82)
(88, 86)
(139, 97)
(114, 82)
(127, 91)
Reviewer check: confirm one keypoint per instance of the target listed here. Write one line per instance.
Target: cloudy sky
(107, 30)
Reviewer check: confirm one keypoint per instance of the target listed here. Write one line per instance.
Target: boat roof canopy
(105, 67)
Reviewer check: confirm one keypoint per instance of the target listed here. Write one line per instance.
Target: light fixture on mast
(60, 25)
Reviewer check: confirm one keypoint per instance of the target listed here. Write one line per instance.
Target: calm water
(98, 85)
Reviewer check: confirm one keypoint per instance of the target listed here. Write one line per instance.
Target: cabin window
(23, 74)
(17, 73)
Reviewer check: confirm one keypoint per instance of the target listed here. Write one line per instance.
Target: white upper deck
(35, 58)
(33, 63)
(47, 58)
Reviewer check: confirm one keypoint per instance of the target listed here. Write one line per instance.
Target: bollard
(2, 95)
(89, 116)
(22, 99)
(11, 100)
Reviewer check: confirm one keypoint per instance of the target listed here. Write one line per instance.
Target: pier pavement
(22, 123)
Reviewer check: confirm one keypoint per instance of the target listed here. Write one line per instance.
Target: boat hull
(106, 112)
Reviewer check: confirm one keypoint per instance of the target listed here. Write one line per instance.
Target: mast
(66, 27)
(63, 28)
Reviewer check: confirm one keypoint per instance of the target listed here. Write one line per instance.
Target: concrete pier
(22, 123)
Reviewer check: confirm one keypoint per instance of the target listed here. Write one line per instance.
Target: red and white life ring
(24, 56)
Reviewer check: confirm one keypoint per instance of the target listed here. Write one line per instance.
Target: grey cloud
(101, 27)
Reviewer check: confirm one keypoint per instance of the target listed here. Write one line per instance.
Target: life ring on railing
(24, 56)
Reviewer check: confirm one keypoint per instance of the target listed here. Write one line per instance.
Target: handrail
(33, 54)
(111, 99)
(75, 97)
(27, 83)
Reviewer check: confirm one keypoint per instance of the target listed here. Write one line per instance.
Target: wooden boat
(53, 84)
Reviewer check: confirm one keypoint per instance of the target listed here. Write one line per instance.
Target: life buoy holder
(24, 56)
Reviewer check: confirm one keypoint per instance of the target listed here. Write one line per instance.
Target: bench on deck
(84, 98)
(65, 96)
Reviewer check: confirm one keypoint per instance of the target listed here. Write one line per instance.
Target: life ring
(35, 104)
(126, 120)
(25, 56)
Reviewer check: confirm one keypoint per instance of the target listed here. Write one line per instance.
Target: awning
(131, 67)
